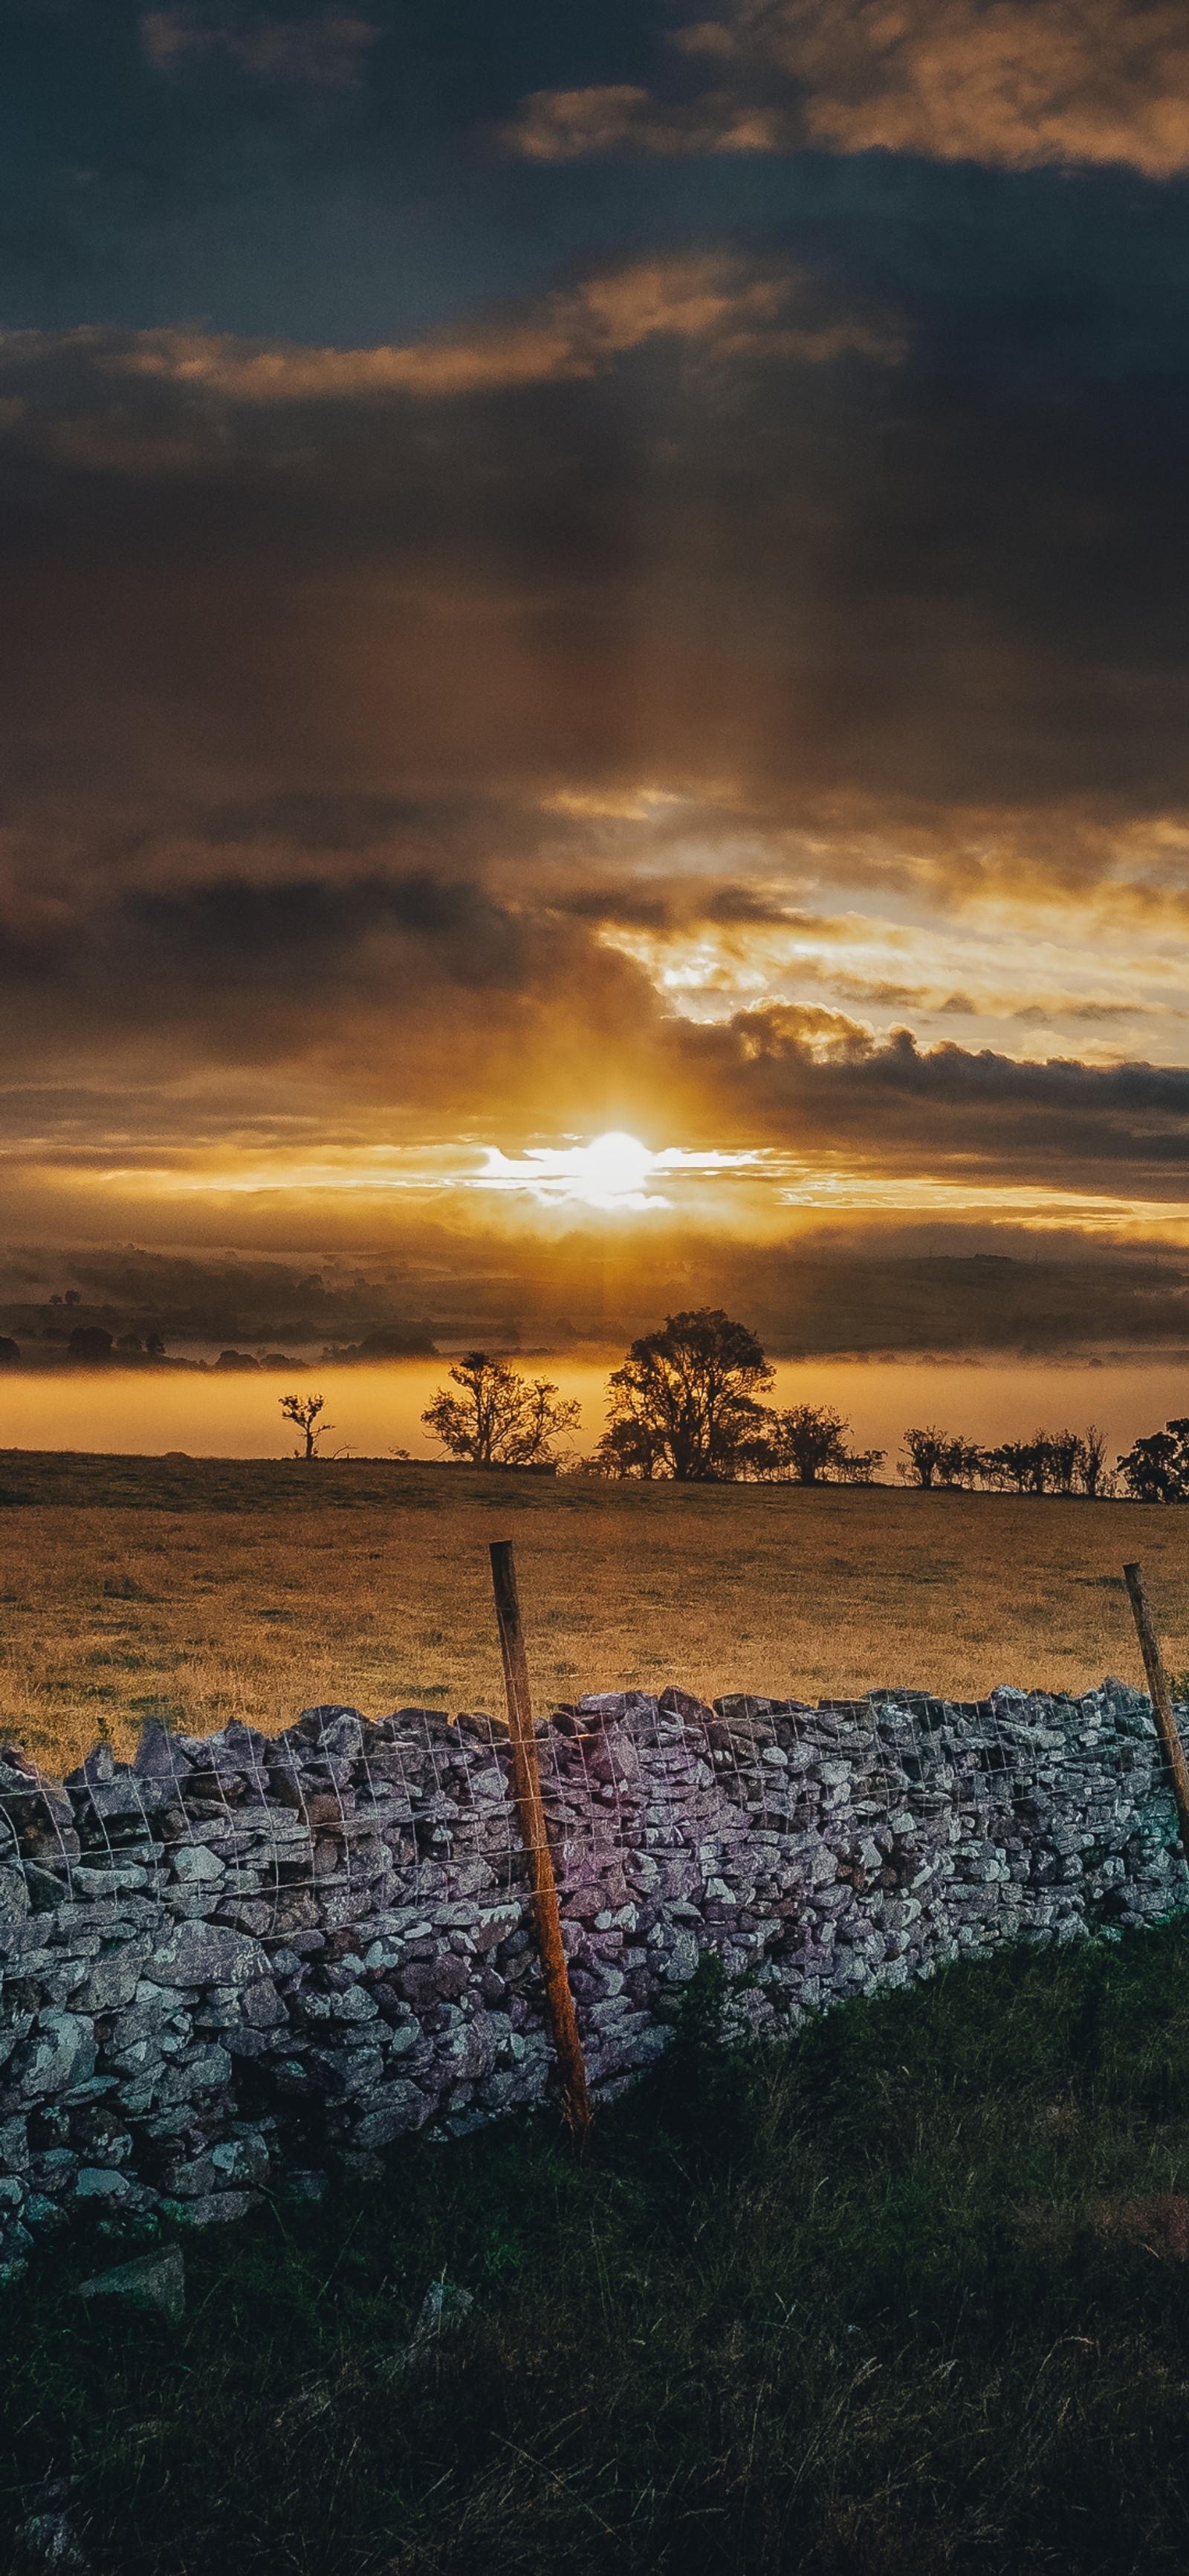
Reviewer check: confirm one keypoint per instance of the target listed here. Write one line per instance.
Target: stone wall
(245, 1958)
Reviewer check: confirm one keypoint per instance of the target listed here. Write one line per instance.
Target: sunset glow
(614, 1174)
(663, 728)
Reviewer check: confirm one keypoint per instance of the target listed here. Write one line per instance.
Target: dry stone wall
(244, 1959)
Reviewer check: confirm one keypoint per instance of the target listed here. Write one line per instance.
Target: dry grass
(253, 1591)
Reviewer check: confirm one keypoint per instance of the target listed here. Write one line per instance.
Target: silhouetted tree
(1043, 1473)
(1013, 1463)
(499, 1418)
(807, 1439)
(1093, 1474)
(927, 1449)
(89, 1342)
(858, 1466)
(962, 1463)
(629, 1448)
(1156, 1469)
(304, 1411)
(1064, 1459)
(686, 1400)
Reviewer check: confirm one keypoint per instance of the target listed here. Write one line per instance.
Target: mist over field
(600, 1290)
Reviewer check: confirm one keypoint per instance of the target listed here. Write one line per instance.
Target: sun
(615, 1174)
(614, 1166)
(611, 1174)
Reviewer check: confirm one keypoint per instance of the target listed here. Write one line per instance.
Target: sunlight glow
(610, 1174)
(757, 1193)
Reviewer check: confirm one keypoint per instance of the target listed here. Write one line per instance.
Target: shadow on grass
(843, 2306)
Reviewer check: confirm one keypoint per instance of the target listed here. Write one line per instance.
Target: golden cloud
(1020, 83)
(732, 307)
(1017, 83)
(569, 124)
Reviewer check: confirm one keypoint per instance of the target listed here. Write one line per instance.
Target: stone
(49, 2541)
(337, 1732)
(262, 2006)
(104, 2182)
(153, 2281)
(789, 1838)
(206, 1954)
(445, 2307)
(14, 1894)
(394, 2110)
(219, 2209)
(63, 2053)
(433, 1981)
(202, 2070)
(194, 1862)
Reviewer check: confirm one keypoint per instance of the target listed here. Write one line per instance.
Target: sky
(582, 572)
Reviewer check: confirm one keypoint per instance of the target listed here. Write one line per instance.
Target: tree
(1014, 1463)
(962, 1461)
(808, 1439)
(686, 1397)
(499, 1418)
(1156, 1469)
(927, 1449)
(1065, 1452)
(89, 1342)
(304, 1411)
(857, 1466)
(630, 1448)
(1092, 1467)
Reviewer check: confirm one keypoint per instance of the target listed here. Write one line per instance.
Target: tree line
(687, 1404)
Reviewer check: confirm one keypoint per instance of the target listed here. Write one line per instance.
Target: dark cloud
(815, 1080)
(328, 50)
(548, 598)
(711, 553)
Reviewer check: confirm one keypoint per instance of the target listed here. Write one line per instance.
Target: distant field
(206, 1589)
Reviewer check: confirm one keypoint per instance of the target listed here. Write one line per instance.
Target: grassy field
(906, 2297)
(200, 1590)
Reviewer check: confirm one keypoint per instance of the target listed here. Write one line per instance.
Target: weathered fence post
(526, 1781)
(1161, 1697)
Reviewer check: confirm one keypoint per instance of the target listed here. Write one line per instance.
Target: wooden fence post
(1161, 1697)
(526, 1782)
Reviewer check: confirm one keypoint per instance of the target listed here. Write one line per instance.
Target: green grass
(849, 2307)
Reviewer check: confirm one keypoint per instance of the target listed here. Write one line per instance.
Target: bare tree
(1093, 1472)
(499, 1418)
(685, 1400)
(304, 1411)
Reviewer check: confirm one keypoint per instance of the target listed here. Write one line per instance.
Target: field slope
(201, 1590)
